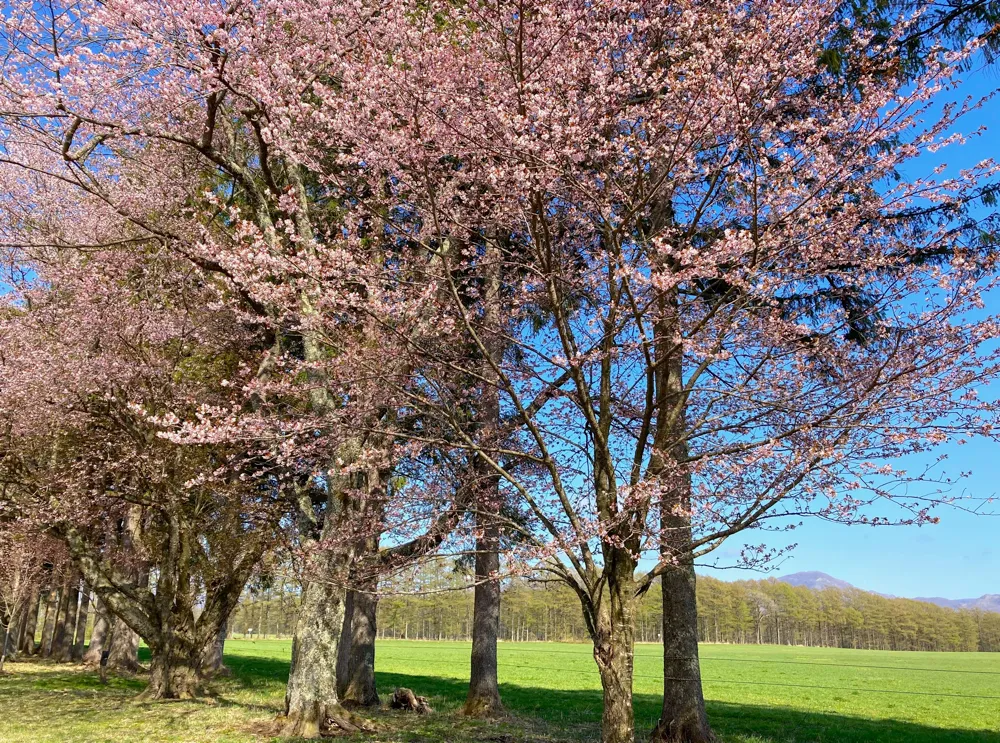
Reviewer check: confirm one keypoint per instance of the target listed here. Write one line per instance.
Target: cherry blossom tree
(720, 307)
(730, 312)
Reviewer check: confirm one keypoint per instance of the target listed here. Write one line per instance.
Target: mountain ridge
(817, 581)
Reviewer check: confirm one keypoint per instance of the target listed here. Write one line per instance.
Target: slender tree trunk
(62, 644)
(124, 648)
(484, 692)
(99, 635)
(26, 642)
(8, 646)
(81, 624)
(344, 651)
(683, 718)
(483, 699)
(359, 688)
(49, 625)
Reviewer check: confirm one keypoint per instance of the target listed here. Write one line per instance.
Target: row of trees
(564, 287)
(738, 612)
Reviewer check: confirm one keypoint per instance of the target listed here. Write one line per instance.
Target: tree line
(734, 612)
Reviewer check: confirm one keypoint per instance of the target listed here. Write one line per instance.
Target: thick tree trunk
(26, 642)
(62, 644)
(484, 692)
(81, 624)
(683, 718)
(613, 650)
(99, 635)
(311, 697)
(49, 625)
(175, 669)
(359, 687)
(124, 648)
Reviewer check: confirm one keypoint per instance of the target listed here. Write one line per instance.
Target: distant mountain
(817, 581)
(989, 602)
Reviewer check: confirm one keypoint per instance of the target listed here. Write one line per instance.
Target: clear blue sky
(958, 558)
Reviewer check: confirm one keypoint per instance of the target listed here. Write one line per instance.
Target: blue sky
(957, 558)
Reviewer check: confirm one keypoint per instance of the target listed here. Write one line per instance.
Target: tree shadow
(579, 712)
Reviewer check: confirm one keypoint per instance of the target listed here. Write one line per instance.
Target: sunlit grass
(755, 695)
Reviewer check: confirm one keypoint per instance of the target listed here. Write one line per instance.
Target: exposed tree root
(405, 699)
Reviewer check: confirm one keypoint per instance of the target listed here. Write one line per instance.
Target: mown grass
(755, 695)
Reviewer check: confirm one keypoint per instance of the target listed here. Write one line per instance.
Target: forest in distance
(432, 606)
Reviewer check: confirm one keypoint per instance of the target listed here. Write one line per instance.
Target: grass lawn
(755, 695)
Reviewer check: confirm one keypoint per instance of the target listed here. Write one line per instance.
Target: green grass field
(755, 695)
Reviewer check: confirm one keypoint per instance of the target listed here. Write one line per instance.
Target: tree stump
(405, 699)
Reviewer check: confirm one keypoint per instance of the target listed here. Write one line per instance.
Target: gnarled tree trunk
(614, 641)
(175, 670)
(311, 696)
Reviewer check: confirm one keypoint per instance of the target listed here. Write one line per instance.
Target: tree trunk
(81, 624)
(344, 651)
(613, 647)
(26, 642)
(311, 697)
(175, 669)
(99, 635)
(484, 692)
(7, 646)
(124, 648)
(211, 660)
(62, 644)
(49, 625)
(359, 687)
(683, 718)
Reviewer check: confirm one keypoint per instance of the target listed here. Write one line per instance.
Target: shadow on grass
(570, 713)
(579, 712)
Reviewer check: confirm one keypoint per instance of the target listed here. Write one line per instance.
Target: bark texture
(683, 718)
(99, 636)
(484, 691)
(614, 640)
(311, 696)
(124, 648)
(62, 643)
(211, 661)
(49, 624)
(359, 687)
(81, 624)
(26, 640)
